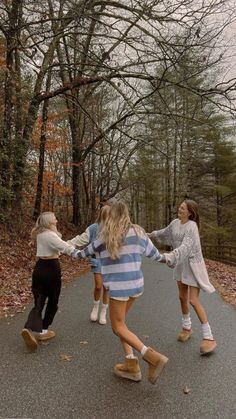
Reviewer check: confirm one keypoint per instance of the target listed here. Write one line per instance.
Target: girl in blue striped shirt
(121, 246)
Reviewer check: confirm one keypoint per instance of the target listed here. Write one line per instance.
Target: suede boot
(29, 339)
(129, 369)
(207, 346)
(184, 335)
(45, 336)
(156, 363)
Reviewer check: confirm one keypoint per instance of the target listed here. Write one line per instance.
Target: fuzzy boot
(129, 369)
(94, 312)
(156, 363)
(45, 336)
(103, 313)
(207, 346)
(29, 339)
(184, 335)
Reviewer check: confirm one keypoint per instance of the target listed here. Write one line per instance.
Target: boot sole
(30, 341)
(42, 338)
(208, 352)
(158, 370)
(183, 340)
(122, 374)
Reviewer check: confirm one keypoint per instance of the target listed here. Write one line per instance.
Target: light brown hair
(192, 207)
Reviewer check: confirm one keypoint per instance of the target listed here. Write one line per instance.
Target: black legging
(46, 284)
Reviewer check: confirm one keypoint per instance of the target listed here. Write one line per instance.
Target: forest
(130, 99)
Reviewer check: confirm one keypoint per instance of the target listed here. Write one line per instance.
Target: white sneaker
(94, 313)
(102, 318)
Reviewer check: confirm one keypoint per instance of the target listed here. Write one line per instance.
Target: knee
(193, 302)
(117, 329)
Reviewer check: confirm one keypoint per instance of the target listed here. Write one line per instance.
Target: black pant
(46, 284)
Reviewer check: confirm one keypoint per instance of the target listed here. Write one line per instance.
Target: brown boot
(207, 346)
(50, 334)
(129, 369)
(156, 363)
(184, 335)
(29, 339)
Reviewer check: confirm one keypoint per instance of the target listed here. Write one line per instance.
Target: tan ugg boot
(156, 363)
(207, 346)
(29, 339)
(129, 369)
(184, 335)
(45, 336)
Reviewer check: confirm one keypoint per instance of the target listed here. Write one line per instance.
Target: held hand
(150, 235)
(169, 262)
(93, 262)
(163, 259)
(75, 254)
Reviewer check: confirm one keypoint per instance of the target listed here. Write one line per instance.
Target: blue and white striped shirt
(123, 276)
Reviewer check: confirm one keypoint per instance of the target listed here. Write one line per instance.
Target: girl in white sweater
(46, 279)
(189, 269)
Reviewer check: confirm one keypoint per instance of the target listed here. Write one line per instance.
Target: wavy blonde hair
(43, 223)
(103, 214)
(115, 228)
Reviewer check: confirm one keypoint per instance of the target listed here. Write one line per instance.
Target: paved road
(40, 385)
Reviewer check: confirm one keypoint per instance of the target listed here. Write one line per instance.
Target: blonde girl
(190, 270)
(121, 246)
(46, 279)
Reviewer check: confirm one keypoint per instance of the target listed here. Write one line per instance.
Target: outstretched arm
(163, 235)
(189, 246)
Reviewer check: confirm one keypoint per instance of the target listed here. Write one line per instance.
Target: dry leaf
(186, 390)
(83, 342)
(146, 337)
(64, 357)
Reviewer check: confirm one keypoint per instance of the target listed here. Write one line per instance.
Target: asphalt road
(41, 385)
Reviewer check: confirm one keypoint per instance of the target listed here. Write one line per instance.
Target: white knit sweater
(50, 244)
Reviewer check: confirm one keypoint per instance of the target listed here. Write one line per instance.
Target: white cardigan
(50, 244)
(185, 240)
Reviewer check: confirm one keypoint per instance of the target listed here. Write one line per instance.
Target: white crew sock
(143, 350)
(44, 331)
(206, 331)
(104, 307)
(96, 302)
(186, 321)
(130, 356)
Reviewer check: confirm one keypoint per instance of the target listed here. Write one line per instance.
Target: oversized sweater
(185, 241)
(50, 244)
(123, 276)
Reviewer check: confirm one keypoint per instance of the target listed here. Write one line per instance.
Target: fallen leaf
(83, 342)
(64, 357)
(186, 390)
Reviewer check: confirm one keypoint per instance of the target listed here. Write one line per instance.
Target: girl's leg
(130, 369)
(208, 344)
(186, 332)
(118, 311)
(103, 313)
(98, 286)
(195, 303)
(183, 296)
(96, 295)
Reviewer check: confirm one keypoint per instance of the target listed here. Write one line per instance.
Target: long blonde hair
(103, 214)
(115, 228)
(43, 223)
